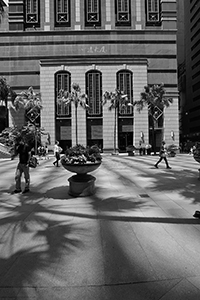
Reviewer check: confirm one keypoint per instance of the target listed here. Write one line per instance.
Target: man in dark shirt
(23, 166)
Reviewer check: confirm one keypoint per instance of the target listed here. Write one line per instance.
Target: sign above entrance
(95, 49)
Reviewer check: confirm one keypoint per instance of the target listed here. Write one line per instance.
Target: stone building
(189, 69)
(102, 45)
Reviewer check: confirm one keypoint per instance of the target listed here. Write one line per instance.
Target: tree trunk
(76, 125)
(153, 137)
(115, 126)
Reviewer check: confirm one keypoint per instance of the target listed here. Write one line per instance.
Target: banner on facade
(127, 128)
(65, 133)
(96, 132)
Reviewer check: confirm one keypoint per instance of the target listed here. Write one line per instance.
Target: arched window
(94, 92)
(125, 84)
(62, 81)
(32, 10)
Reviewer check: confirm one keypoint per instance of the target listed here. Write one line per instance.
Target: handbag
(33, 162)
(60, 149)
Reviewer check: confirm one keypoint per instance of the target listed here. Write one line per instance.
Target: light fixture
(172, 135)
(142, 136)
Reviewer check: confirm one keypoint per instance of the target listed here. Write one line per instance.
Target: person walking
(163, 155)
(57, 150)
(22, 149)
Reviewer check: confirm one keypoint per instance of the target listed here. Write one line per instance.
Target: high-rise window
(125, 84)
(152, 12)
(123, 12)
(32, 10)
(62, 14)
(62, 81)
(92, 12)
(94, 92)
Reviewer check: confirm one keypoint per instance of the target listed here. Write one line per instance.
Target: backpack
(33, 162)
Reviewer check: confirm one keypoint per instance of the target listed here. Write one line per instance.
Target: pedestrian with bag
(57, 151)
(163, 155)
(22, 149)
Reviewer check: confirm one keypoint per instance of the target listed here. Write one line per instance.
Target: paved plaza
(134, 239)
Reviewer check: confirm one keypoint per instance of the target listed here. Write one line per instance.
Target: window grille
(123, 13)
(125, 84)
(63, 81)
(153, 12)
(92, 12)
(62, 12)
(94, 93)
(32, 13)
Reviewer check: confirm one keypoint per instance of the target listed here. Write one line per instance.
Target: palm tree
(118, 101)
(26, 108)
(5, 92)
(31, 102)
(155, 99)
(75, 97)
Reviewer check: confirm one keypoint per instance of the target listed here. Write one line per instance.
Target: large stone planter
(81, 168)
(197, 158)
(81, 184)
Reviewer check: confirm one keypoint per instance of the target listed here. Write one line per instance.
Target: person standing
(22, 149)
(46, 152)
(163, 155)
(57, 150)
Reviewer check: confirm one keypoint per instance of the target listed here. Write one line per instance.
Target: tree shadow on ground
(33, 240)
(185, 181)
(37, 233)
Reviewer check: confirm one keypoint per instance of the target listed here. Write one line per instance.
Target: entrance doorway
(125, 133)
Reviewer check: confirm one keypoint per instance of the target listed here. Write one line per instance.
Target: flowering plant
(172, 149)
(81, 155)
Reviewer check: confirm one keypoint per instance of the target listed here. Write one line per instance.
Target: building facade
(101, 45)
(189, 69)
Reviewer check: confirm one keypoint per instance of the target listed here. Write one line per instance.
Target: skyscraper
(189, 69)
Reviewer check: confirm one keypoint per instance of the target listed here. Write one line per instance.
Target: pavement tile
(135, 238)
(140, 291)
(184, 290)
(168, 259)
(123, 254)
(6, 292)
